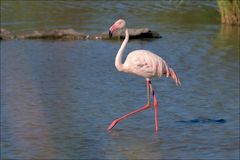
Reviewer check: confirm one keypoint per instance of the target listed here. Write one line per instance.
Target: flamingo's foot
(112, 125)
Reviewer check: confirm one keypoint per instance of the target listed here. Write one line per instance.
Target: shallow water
(58, 97)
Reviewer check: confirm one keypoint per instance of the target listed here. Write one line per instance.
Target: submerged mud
(71, 34)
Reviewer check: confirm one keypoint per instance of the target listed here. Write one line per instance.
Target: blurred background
(58, 97)
(95, 16)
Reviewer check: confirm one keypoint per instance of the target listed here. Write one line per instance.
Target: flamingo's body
(142, 63)
(145, 64)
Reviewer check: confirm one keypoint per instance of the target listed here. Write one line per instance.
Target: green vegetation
(230, 11)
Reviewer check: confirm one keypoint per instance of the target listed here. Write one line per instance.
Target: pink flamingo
(142, 63)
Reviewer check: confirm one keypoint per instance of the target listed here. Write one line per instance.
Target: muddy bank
(71, 34)
(5, 34)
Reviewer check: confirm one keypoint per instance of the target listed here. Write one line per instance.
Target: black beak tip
(110, 34)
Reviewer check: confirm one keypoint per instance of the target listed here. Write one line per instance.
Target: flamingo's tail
(174, 76)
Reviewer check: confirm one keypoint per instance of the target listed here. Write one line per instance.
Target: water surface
(58, 97)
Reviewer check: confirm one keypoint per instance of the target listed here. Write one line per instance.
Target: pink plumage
(142, 63)
(146, 64)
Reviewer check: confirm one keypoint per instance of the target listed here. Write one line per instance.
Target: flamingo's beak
(112, 29)
(110, 34)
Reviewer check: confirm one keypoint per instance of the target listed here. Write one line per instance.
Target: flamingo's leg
(155, 104)
(135, 111)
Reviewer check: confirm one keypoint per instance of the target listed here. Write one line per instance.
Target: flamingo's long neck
(118, 59)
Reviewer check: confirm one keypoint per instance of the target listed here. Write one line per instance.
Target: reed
(230, 11)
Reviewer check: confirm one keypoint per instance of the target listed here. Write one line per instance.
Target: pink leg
(155, 104)
(135, 111)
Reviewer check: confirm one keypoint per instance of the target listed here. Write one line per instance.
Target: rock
(60, 34)
(5, 34)
(134, 33)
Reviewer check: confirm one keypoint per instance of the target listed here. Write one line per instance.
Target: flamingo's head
(119, 24)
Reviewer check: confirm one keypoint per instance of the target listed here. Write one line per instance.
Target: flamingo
(142, 63)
